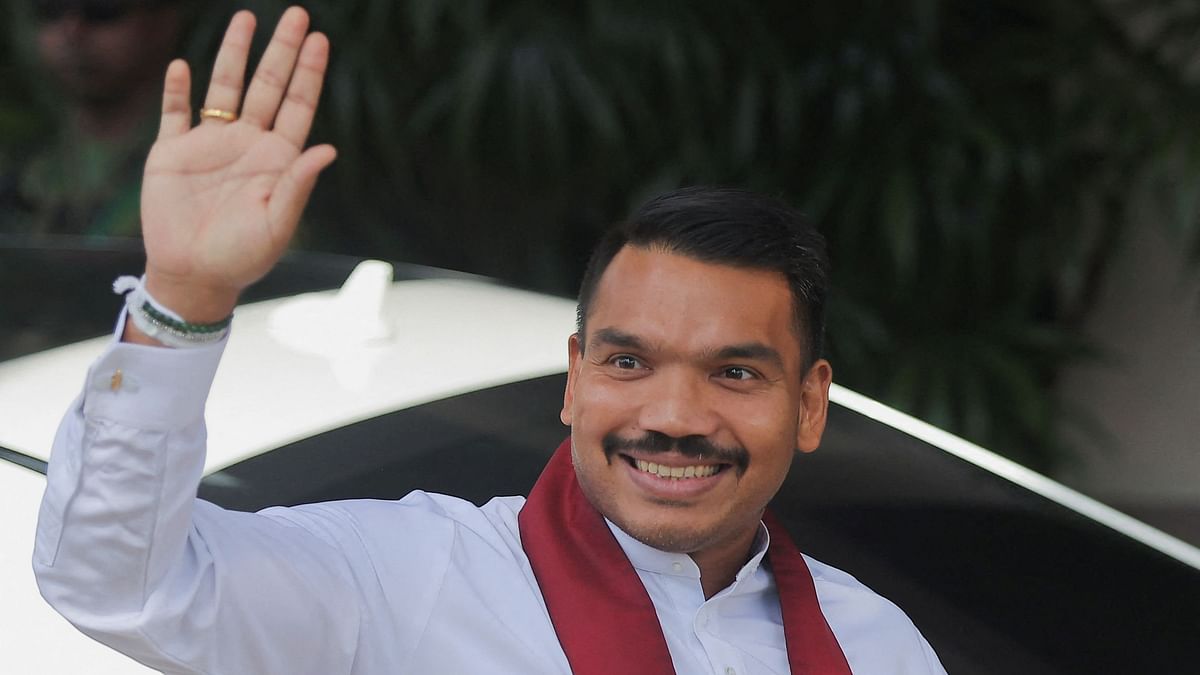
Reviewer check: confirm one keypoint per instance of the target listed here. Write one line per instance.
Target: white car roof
(302, 365)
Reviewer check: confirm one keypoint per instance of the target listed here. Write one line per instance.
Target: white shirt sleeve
(876, 636)
(126, 552)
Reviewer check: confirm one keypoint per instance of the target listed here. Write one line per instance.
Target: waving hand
(221, 199)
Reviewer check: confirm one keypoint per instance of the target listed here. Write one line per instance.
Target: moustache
(695, 447)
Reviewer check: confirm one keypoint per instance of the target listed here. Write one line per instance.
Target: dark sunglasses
(91, 11)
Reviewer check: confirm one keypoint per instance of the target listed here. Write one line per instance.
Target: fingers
(229, 70)
(294, 187)
(296, 114)
(176, 105)
(275, 69)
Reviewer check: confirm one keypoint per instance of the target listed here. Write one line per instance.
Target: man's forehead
(658, 295)
(655, 265)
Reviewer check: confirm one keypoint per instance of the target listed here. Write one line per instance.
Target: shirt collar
(649, 559)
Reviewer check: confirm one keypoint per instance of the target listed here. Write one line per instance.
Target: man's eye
(625, 362)
(738, 373)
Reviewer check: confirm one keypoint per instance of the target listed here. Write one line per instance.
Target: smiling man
(694, 379)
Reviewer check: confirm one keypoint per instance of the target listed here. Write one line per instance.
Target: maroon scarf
(602, 614)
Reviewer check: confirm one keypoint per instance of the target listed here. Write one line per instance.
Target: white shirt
(426, 584)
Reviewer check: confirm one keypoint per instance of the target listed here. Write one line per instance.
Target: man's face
(693, 368)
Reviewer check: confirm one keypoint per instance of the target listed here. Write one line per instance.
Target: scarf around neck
(602, 614)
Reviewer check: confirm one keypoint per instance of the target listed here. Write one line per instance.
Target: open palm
(221, 200)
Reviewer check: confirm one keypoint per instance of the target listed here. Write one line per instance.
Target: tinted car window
(475, 446)
(999, 579)
(21, 459)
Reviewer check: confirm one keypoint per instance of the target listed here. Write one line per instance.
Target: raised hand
(221, 200)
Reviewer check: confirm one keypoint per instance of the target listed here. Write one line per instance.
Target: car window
(992, 573)
(998, 578)
(21, 459)
(475, 446)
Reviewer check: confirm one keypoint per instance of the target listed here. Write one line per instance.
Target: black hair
(727, 226)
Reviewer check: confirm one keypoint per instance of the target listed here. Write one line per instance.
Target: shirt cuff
(146, 387)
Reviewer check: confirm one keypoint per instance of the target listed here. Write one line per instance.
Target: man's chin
(669, 537)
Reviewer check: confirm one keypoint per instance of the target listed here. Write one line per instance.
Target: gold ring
(218, 114)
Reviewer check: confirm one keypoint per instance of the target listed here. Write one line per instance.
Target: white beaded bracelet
(161, 323)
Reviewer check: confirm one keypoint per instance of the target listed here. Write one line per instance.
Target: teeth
(677, 472)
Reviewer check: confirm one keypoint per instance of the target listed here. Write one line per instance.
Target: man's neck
(719, 565)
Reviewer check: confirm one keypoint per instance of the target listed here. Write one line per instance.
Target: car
(405, 377)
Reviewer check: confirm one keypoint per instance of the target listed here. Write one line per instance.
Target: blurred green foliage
(974, 165)
(22, 115)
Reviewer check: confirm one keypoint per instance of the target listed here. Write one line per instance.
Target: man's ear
(574, 359)
(814, 405)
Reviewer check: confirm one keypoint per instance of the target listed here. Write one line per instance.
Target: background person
(105, 58)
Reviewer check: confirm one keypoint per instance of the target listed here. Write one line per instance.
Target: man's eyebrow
(752, 351)
(615, 337)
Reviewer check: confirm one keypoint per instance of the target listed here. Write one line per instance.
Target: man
(693, 380)
(106, 57)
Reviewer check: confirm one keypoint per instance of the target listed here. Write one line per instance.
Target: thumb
(295, 185)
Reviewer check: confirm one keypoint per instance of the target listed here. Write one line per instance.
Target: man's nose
(678, 404)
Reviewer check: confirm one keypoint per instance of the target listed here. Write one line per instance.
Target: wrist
(195, 303)
(150, 322)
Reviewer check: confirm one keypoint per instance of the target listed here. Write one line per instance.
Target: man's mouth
(674, 472)
(711, 459)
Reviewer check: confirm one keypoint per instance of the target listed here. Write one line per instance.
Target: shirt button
(677, 567)
(730, 671)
